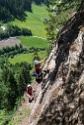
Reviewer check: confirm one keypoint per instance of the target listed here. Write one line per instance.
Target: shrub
(26, 32)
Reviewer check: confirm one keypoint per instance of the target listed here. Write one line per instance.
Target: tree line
(38, 2)
(11, 9)
(13, 81)
(10, 52)
(12, 30)
(60, 11)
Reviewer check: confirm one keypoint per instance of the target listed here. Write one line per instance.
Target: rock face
(66, 103)
(61, 101)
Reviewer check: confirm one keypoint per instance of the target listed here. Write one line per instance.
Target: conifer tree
(24, 77)
(12, 87)
(10, 9)
(57, 19)
(3, 95)
(21, 85)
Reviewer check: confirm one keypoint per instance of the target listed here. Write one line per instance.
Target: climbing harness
(41, 75)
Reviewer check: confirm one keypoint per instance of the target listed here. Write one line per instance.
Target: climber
(38, 68)
(29, 92)
(29, 89)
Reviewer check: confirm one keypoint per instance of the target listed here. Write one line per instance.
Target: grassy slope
(26, 57)
(34, 20)
(30, 42)
(34, 41)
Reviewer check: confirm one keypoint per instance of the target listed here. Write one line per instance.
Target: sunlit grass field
(26, 57)
(31, 42)
(34, 42)
(34, 20)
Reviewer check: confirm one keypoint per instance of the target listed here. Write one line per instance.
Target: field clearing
(31, 42)
(28, 42)
(26, 57)
(34, 20)
(34, 42)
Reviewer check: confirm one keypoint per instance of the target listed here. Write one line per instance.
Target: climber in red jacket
(38, 68)
(29, 89)
(29, 92)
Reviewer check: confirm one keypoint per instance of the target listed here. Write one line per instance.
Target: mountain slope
(61, 100)
(61, 97)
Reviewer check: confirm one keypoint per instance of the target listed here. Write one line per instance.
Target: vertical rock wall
(61, 100)
(66, 107)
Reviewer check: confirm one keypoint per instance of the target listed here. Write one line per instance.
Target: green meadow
(31, 42)
(34, 42)
(26, 57)
(34, 20)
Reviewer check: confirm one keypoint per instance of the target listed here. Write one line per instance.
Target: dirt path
(12, 41)
(31, 111)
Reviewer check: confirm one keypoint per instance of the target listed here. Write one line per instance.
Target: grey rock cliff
(66, 103)
(61, 100)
